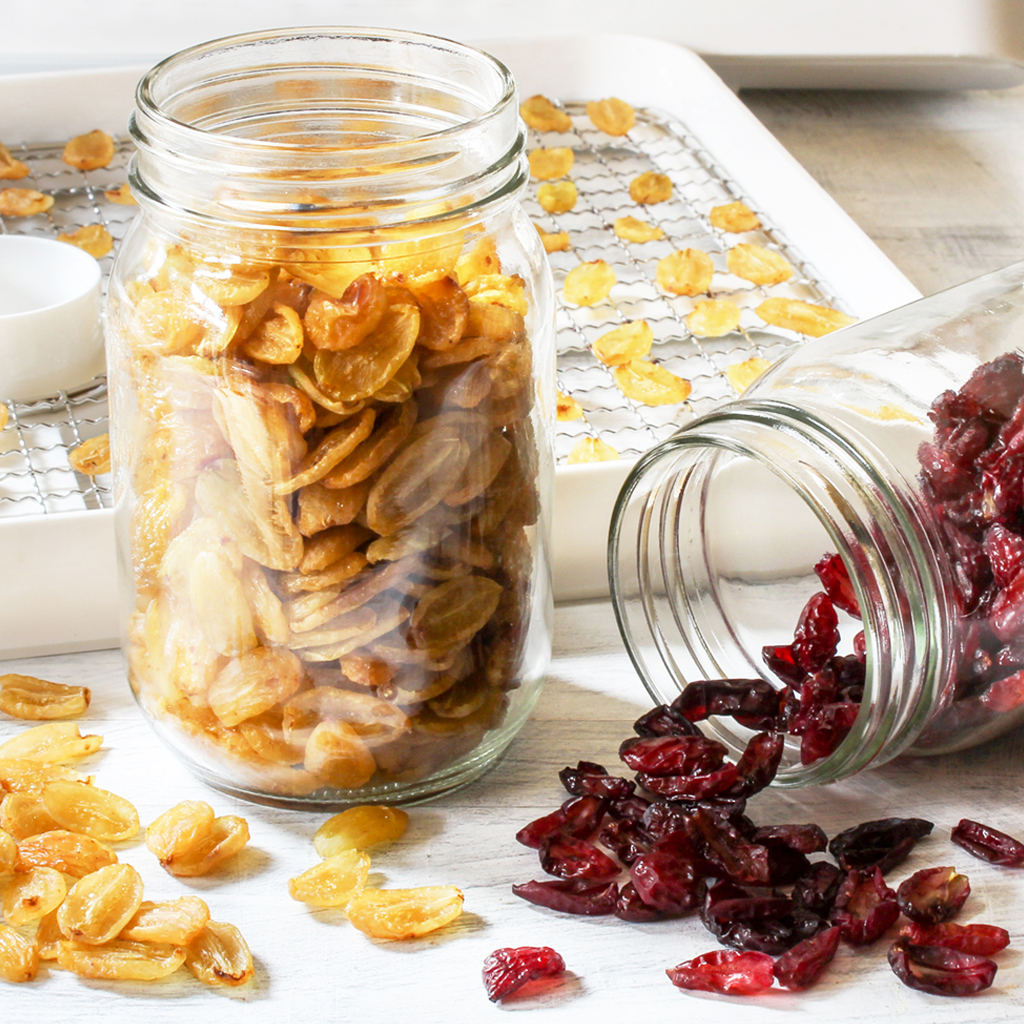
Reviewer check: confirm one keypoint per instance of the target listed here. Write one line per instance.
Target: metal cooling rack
(602, 171)
(36, 477)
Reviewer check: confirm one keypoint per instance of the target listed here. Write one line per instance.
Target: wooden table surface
(938, 181)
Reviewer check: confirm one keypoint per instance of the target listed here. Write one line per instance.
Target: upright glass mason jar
(897, 445)
(331, 368)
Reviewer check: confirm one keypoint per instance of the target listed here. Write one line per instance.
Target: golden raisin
(90, 151)
(611, 116)
(650, 383)
(94, 239)
(734, 217)
(30, 698)
(557, 196)
(48, 936)
(332, 882)
(588, 284)
(278, 339)
(591, 449)
(758, 265)
(804, 317)
(567, 408)
(92, 811)
(68, 852)
(178, 830)
(51, 744)
(541, 114)
(336, 754)
(711, 318)
(632, 340)
(253, 683)
(554, 241)
(20, 775)
(685, 272)
(19, 960)
(23, 202)
(742, 375)
(556, 162)
(10, 168)
(359, 828)
(632, 229)
(404, 913)
(120, 960)
(227, 836)
(92, 457)
(219, 956)
(32, 894)
(122, 195)
(99, 905)
(650, 187)
(23, 815)
(177, 922)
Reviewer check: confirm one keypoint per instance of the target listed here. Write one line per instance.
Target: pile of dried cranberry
(680, 829)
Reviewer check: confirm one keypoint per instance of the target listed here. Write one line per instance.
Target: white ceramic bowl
(51, 337)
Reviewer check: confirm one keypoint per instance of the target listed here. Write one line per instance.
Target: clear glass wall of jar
(331, 365)
(897, 444)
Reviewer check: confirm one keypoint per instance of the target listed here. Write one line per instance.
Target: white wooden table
(937, 181)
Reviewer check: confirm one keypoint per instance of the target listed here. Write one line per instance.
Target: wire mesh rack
(36, 477)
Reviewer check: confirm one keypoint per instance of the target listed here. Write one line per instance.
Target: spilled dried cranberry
(571, 896)
(865, 907)
(725, 970)
(805, 963)
(988, 843)
(980, 939)
(884, 843)
(933, 895)
(507, 970)
(942, 972)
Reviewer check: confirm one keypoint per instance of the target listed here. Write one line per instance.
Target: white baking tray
(62, 567)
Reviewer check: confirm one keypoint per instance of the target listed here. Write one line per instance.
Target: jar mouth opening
(164, 89)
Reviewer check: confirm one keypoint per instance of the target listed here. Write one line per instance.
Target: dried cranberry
(816, 889)
(997, 386)
(860, 646)
(752, 702)
(690, 787)
(664, 721)
(831, 570)
(632, 808)
(583, 815)
(942, 972)
(534, 834)
(630, 907)
(803, 965)
(725, 903)
(590, 779)
(952, 408)
(785, 865)
(947, 480)
(782, 661)
(979, 939)
(571, 896)
(626, 839)
(726, 971)
(933, 895)
(723, 846)
(760, 761)
(865, 907)
(772, 935)
(673, 755)
(666, 882)
(869, 843)
(988, 843)
(507, 970)
(663, 817)
(827, 726)
(574, 858)
(817, 633)
(804, 838)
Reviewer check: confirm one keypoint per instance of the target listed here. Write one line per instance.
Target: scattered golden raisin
(91, 457)
(567, 408)
(177, 922)
(650, 383)
(555, 162)
(27, 697)
(540, 113)
(632, 229)
(404, 913)
(219, 956)
(32, 894)
(332, 882)
(10, 168)
(359, 828)
(591, 449)
(227, 836)
(685, 272)
(23, 815)
(553, 241)
(178, 829)
(19, 960)
(742, 375)
(90, 151)
(588, 284)
(804, 317)
(120, 960)
(99, 905)
(52, 743)
(711, 318)
(122, 195)
(734, 217)
(630, 341)
(94, 239)
(557, 196)
(68, 852)
(23, 202)
(92, 811)
(650, 187)
(758, 265)
(611, 116)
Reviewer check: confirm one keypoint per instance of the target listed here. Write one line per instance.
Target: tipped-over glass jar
(851, 531)
(331, 365)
